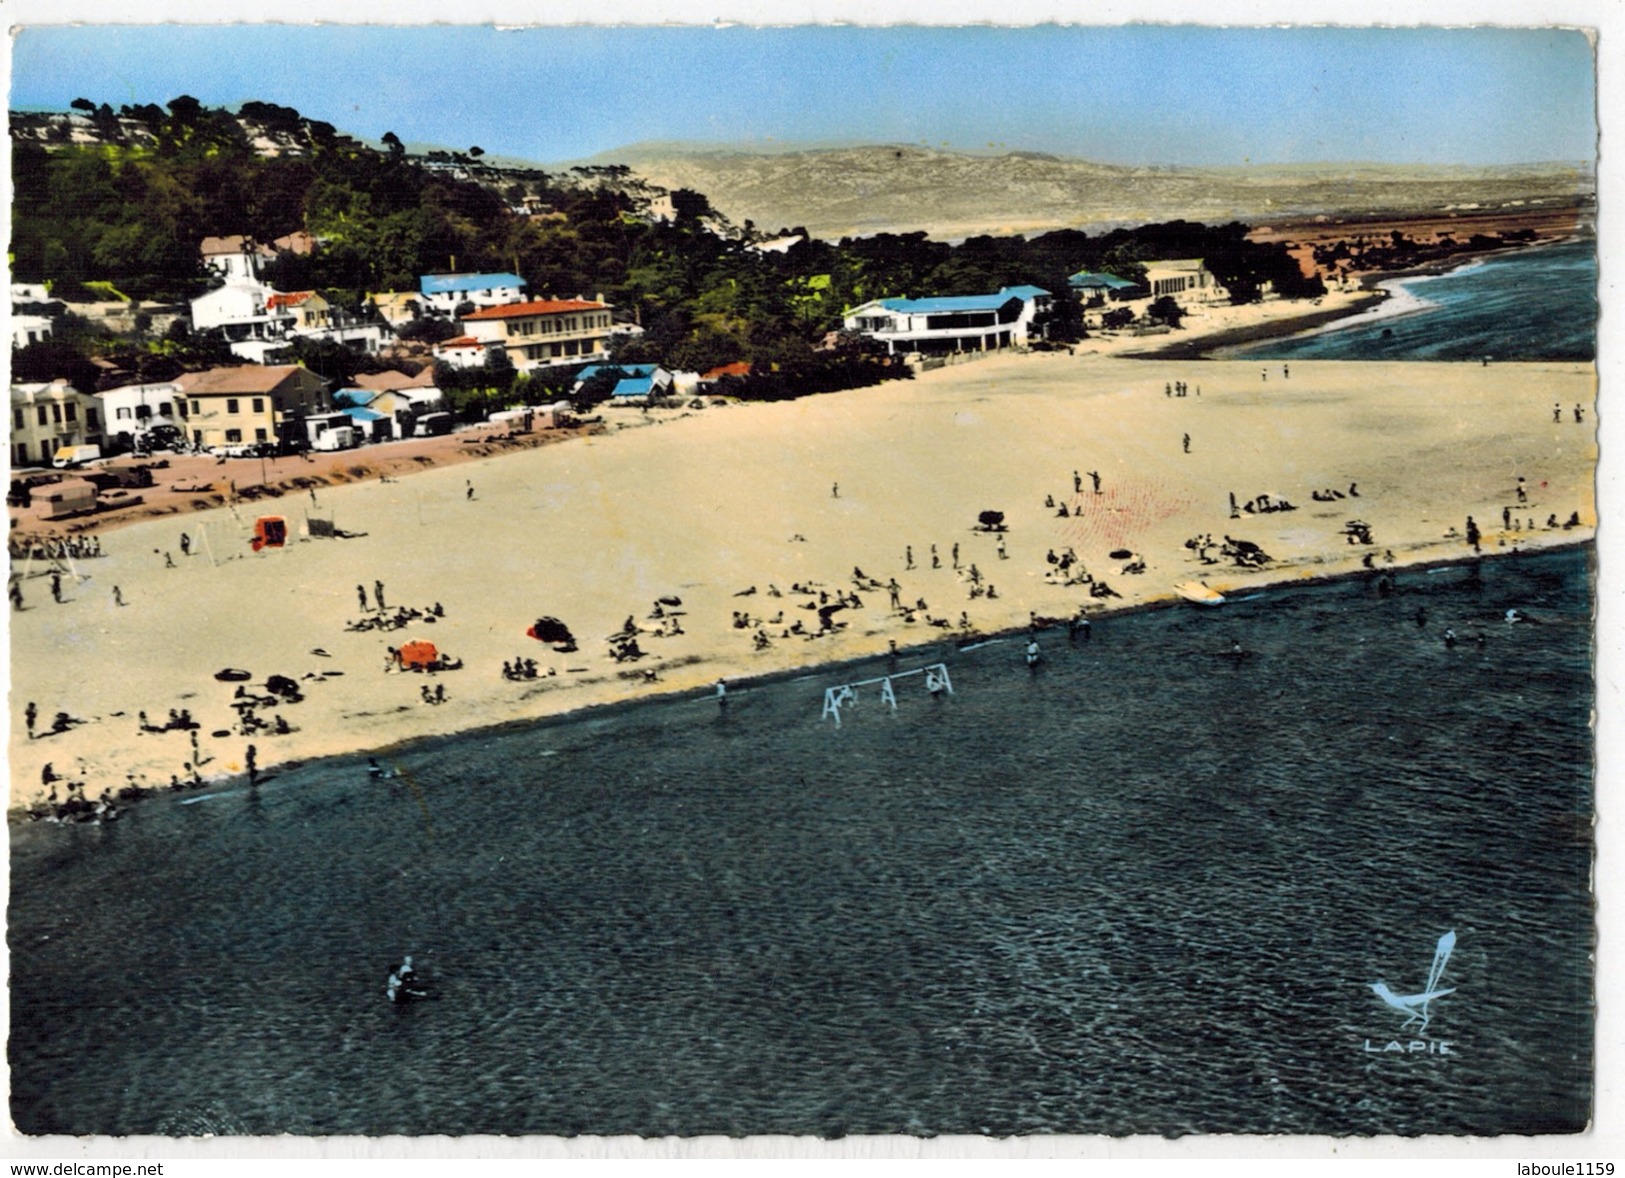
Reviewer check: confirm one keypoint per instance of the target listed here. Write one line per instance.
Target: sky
(1146, 94)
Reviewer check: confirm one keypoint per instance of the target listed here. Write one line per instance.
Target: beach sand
(706, 504)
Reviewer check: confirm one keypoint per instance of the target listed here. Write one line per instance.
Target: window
(259, 404)
(259, 435)
(234, 435)
(121, 414)
(197, 435)
(45, 450)
(196, 406)
(44, 415)
(73, 411)
(165, 408)
(231, 404)
(92, 422)
(17, 418)
(56, 411)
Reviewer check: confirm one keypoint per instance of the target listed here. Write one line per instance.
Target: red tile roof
(737, 368)
(291, 299)
(538, 307)
(246, 378)
(463, 341)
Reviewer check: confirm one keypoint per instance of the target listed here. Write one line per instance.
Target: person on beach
(31, 716)
(378, 593)
(1187, 443)
(1077, 483)
(722, 693)
(936, 561)
(15, 592)
(1285, 371)
(361, 596)
(56, 588)
(1264, 374)
(835, 490)
(186, 544)
(1557, 412)
(468, 491)
(1003, 555)
(1578, 415)
(1523, 493)
(1506, 518)
(251, 756)
(118, 595)
(956, 554)
(908, 556)
(1094, 476)
(1033, 653)
(1167, 391)
(169, 561)
(1473, 534)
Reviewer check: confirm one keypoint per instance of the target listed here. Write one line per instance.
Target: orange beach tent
(419, 656)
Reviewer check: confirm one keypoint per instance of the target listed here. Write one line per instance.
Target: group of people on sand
(1179, 388)
(524, 668)
(400, 618)
(55, 547)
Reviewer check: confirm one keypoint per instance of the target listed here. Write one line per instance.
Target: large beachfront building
(232, 406)
(444, 293)
(48, 416)
(543, 333)
(133, 409)
(1184, 278)
(961, 323)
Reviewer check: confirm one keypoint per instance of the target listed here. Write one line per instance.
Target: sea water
(1143, 888)
(1529, 304)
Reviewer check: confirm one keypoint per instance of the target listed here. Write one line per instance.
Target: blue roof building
(446, 292)
(1098, 283)
(640, 380)
(954, 323)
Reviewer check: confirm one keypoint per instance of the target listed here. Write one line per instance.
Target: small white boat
(1199, 593)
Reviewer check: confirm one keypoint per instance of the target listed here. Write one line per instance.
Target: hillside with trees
(121, 199)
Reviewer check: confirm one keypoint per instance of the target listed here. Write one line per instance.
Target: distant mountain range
(840, 191)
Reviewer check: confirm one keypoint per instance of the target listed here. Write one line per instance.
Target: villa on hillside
(956, 323)
(543, 333)
(236, 258)
(444, 293)
(258, 321)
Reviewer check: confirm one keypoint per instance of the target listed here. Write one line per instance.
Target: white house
(446, 292)
(29, 329)
(135, 408)
(955, 323)
(236, 257)
(464, 351)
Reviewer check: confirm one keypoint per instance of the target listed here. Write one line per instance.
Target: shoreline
(19, 813)
(1202, 347)
(1372, 293)
(593, 531)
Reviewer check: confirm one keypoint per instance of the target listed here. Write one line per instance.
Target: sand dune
(703, 505)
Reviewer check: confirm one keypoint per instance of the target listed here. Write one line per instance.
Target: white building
(135, 408)
(955, 323)
(237, 258)
(446, 292)
(1185, 279)
(48, 416)
(29, 329)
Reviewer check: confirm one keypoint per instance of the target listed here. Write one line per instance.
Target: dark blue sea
(1531, 304)
(1145, 889)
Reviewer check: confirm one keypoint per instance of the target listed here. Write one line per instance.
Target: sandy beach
(722, 507)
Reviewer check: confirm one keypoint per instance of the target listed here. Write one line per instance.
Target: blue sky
(1130, 95)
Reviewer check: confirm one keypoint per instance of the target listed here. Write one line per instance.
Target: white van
(432, 425)
(76, 456)
(338, 437)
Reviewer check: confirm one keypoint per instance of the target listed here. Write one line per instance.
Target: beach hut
(270, 531)
(418, 655)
